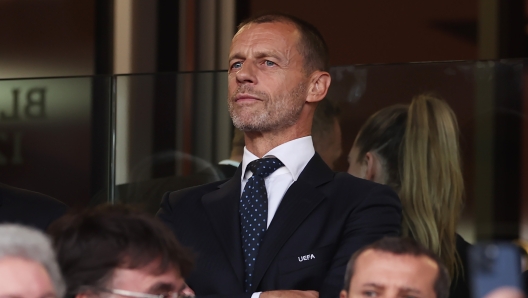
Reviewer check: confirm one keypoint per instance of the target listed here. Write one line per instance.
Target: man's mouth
(244, 97)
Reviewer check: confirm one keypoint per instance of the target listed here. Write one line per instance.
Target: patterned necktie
(253, 211)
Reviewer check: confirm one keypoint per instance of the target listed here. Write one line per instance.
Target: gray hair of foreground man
(403, 246)
(27, 243)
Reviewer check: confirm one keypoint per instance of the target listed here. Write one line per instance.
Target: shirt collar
(230, 162)
(294, 154)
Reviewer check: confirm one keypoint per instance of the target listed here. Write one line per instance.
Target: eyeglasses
(145, 295)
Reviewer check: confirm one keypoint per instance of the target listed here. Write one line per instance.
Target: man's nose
(247, 73)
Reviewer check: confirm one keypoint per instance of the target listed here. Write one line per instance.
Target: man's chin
(252, 126)
(249, 126)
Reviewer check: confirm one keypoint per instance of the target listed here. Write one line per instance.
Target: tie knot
(265, 166)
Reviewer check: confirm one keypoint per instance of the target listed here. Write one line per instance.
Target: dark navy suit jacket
(325, 214)
(28, 207)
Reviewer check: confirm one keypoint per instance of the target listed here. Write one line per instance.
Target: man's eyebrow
(375, 285)
(257, 55)
(236, 56)
(401, 289)
(410, 290)
(161, 287)
(267, 54)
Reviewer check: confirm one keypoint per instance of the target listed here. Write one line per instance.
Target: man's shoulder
(191, 194)
(28, 207)
(25, 198)
(344, 185)
(186, 202)
(346, 181)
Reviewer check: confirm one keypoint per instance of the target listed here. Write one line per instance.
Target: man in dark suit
(28, 207)
(285, 225)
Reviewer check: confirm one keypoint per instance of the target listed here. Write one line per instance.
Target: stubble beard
(278, 113)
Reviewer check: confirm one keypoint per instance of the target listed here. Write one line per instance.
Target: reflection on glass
(53, 136)
(172, 130)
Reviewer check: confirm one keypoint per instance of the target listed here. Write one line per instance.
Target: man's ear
(374, 170)
(318, 86)
(343, 294)
(371, 161)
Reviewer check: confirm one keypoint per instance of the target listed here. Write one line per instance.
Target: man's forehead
(392, 268)
(375, 256)
(285, 29)
(278, 40)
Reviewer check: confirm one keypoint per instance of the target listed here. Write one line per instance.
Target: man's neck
(259, 143)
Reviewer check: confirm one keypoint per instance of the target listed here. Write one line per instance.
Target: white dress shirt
(295, 155)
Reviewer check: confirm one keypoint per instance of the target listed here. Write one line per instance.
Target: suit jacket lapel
(298, 202)
(222, 209)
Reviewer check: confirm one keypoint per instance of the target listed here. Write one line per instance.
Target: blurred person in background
(28, 207)
(28, 267)
(326, 132)
(395, 267)
(415, 150)
(117, 250)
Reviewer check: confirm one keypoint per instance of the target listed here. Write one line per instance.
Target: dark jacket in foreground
(28, 207)
(323, 218)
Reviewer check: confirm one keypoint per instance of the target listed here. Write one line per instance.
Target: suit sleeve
(377, 215)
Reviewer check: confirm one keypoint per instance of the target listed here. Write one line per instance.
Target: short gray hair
(32, 245)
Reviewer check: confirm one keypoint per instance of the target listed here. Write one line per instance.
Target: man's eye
(236, 65)
(269, 63)
(370, 294)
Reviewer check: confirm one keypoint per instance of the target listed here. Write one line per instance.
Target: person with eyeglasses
(116, 251)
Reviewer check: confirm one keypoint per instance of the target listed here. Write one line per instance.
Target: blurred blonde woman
(415, 150)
